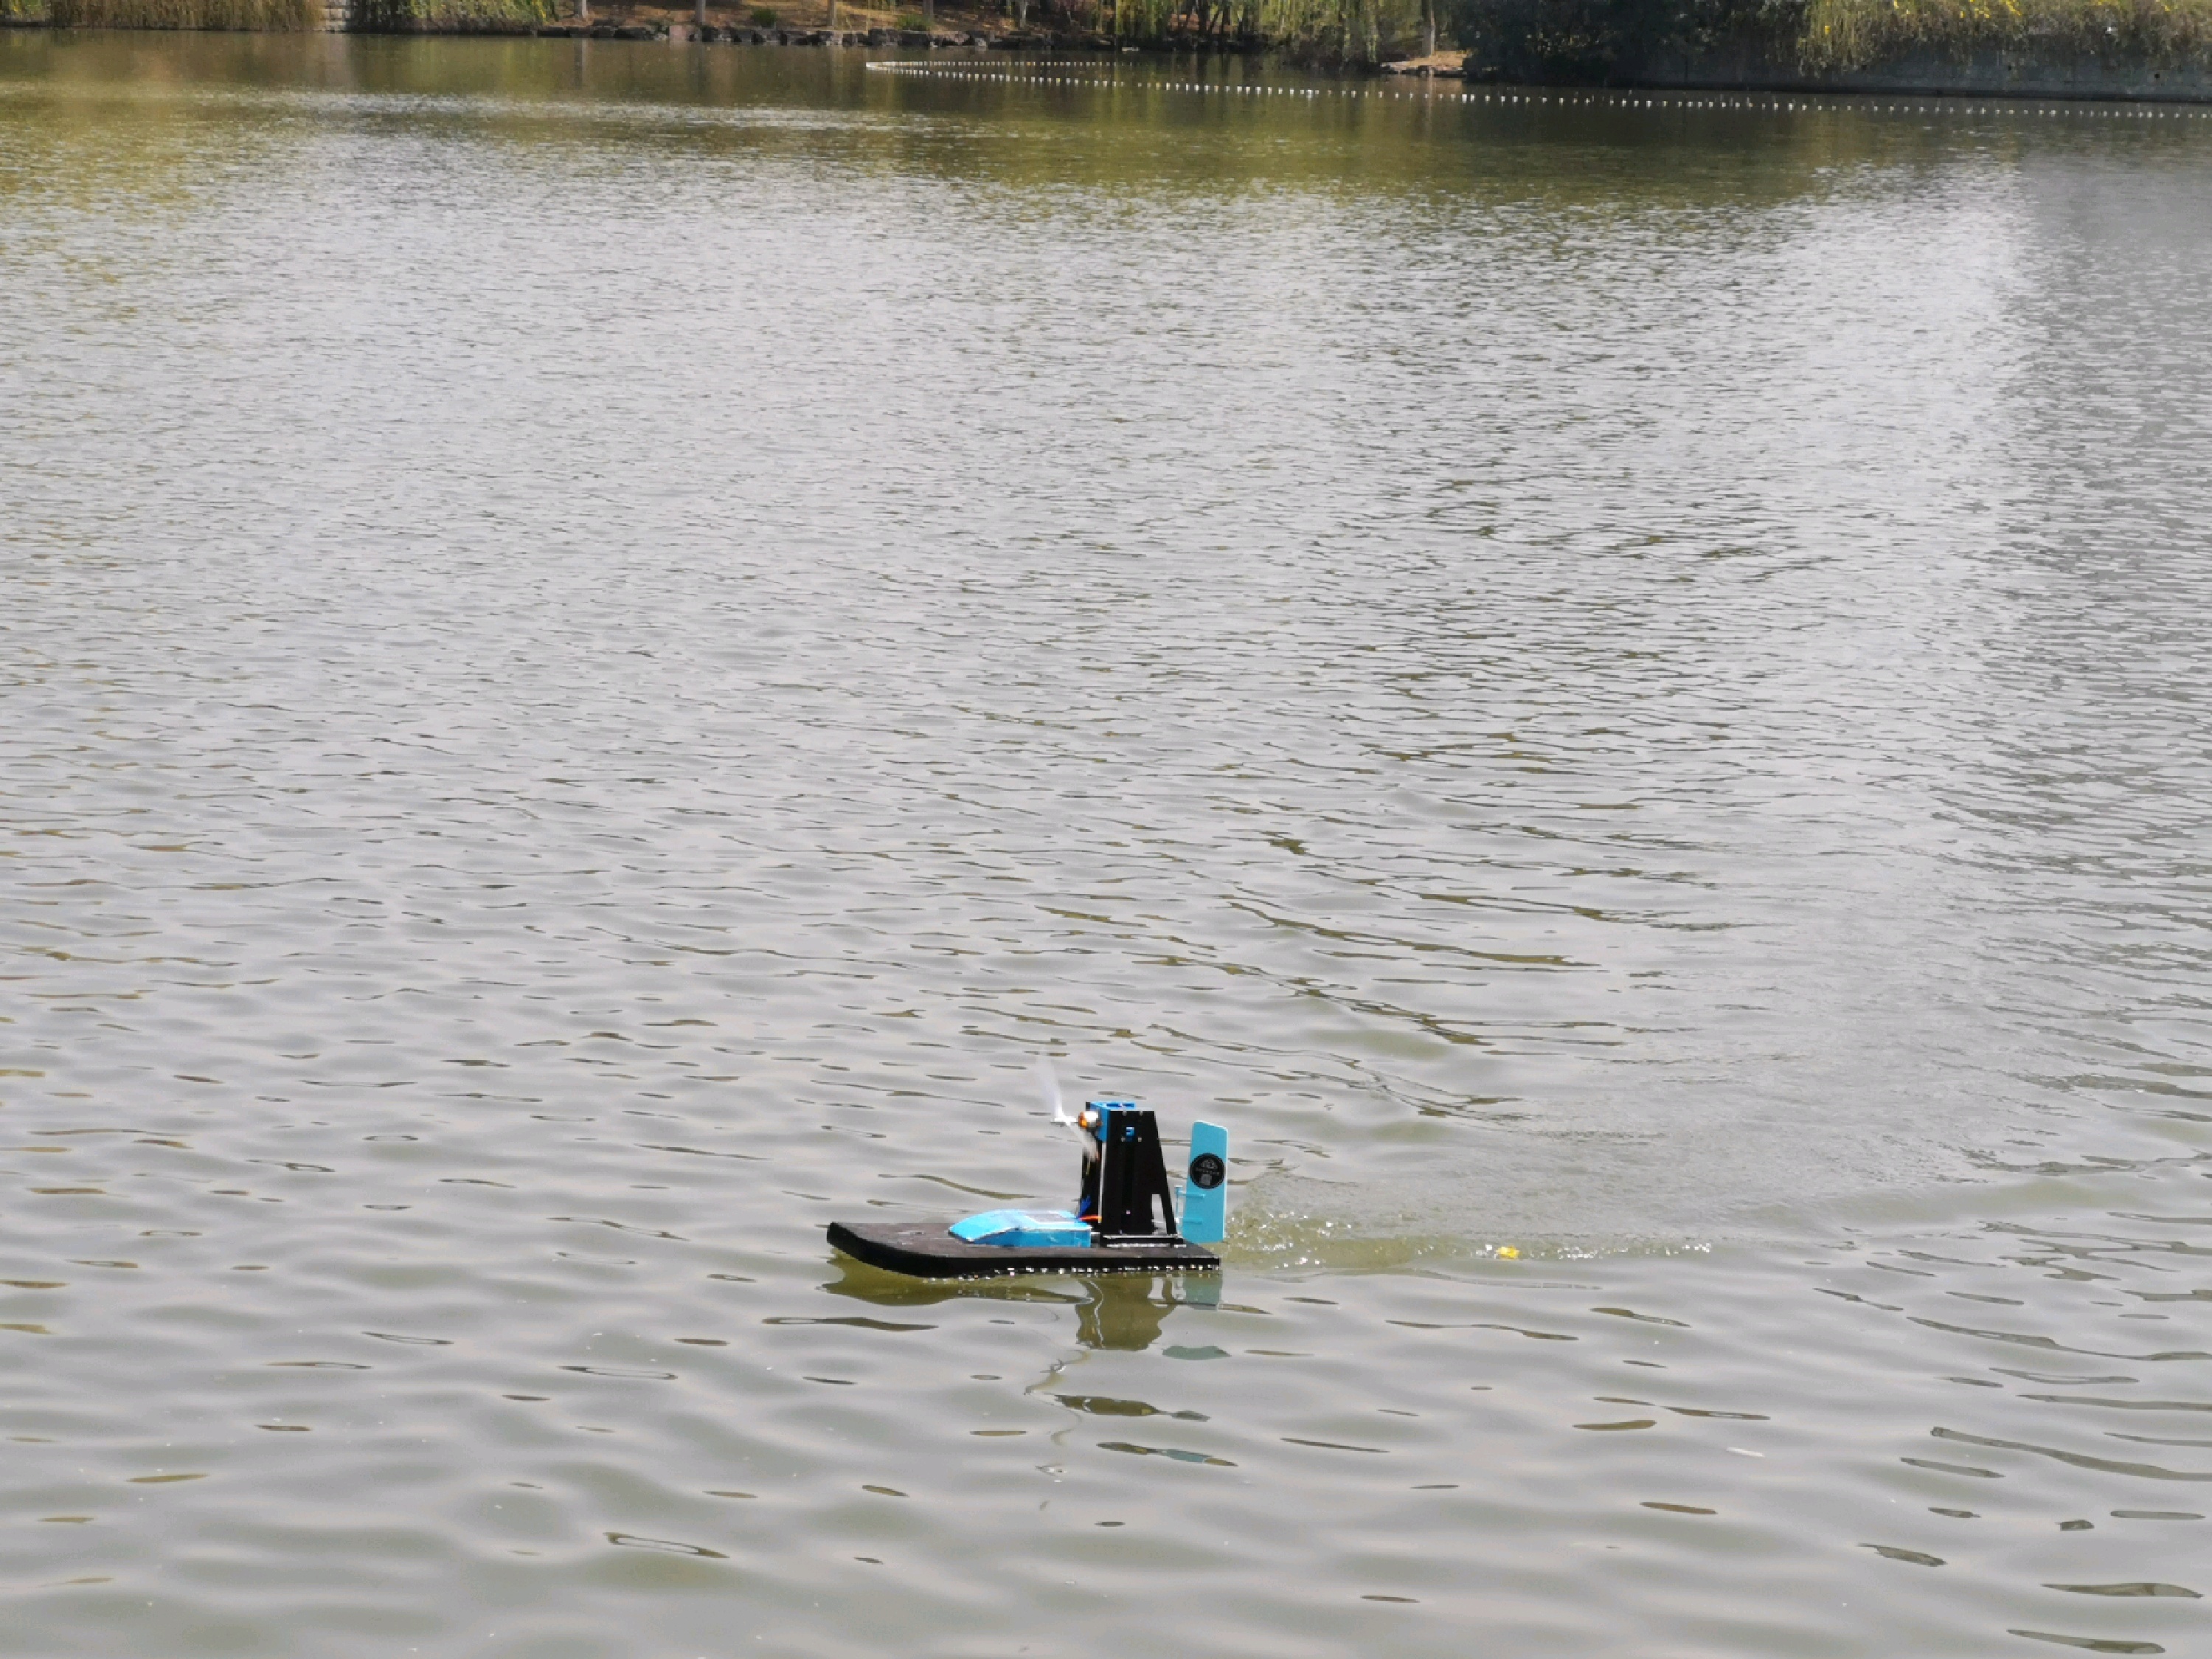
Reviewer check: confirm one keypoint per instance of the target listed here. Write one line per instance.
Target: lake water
(603, 643)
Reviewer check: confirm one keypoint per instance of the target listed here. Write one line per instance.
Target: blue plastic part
(1024, 1230)
(1206, 1191)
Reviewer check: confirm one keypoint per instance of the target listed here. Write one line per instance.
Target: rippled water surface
(603, 644)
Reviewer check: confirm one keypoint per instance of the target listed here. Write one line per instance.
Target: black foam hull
(925, 1250)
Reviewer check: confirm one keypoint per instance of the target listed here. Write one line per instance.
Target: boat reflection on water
(1121, 1311)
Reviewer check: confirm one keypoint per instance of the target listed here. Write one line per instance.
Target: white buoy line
(1107, 76)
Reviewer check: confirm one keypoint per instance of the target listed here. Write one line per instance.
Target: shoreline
(1992, 75)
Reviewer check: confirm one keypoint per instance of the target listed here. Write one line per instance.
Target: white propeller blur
(1048, 1091)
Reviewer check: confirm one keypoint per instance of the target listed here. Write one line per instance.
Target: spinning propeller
(1048, 1089)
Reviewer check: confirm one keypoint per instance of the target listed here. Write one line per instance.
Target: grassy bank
(453, 16)
(1608, 39)
(1336, 31)
(1846, 34)
(1352, 32)
(275, 16)
(1588, 41)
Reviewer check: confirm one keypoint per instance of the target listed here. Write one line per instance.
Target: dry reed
(1846, 35)
(1334, 30)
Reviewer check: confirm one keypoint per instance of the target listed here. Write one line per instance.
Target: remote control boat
(1126, 1221)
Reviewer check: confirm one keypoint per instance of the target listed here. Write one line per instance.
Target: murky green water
(603, 643)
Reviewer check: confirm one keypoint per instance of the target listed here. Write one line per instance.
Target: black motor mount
(1127, 1182)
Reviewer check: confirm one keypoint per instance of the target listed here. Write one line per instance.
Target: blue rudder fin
(1206, 1194)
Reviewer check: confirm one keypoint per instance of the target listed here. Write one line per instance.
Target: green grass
(266, 15)
(1595, 40)
(455, 16)
(1329, 31)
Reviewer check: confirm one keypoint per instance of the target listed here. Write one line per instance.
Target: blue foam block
(1024, 1230)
